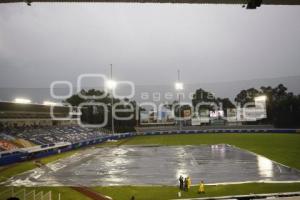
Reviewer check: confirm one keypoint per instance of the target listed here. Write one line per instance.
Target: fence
(24, 194)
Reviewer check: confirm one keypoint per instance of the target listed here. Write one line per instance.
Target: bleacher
(7, 146)
(53, 134)
(28, 125)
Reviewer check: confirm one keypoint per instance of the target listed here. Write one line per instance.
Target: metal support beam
(250, 3)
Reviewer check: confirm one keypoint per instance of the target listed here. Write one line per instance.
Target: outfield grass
(169, 192)
(65, 192)
(18, 168)
(283, 148)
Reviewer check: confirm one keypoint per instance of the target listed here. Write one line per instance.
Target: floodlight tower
(179, 87)
(22, 101)
(111, 85)
(49, 103)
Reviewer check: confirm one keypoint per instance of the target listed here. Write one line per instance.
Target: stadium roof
(256, 2)
(10, 110)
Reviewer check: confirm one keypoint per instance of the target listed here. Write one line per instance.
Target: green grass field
(65, 192)
(14, 169)
(283, 148)
(169, 192)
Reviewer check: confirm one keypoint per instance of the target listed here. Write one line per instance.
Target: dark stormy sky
(147, 43)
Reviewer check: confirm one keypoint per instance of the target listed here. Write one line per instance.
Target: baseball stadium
(202, 100)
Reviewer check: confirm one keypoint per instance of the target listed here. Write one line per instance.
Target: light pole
(111, 85)
(179, 87)
(22, 101)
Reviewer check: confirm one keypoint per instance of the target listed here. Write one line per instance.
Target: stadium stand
(27, 125)
(7, 146)
(54, 134)
(23, 143)
(28, 115)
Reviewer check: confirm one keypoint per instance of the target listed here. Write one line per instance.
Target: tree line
(282, 107)
(94, 115)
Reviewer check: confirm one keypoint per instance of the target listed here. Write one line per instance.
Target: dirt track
(90, 193)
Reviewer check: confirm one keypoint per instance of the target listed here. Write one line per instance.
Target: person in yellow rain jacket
(189, 182)
(201, 188)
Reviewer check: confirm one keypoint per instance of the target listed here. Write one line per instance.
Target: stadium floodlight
(111, 84)
(178, 86)
(22, 100)
(261, 98)
(49, 103)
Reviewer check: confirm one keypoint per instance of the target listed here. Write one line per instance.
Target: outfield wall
(158, 132)
(21, 155)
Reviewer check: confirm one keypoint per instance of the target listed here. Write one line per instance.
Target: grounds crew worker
(181, 183)
(201, 187)
(185, 183)
(189, 182)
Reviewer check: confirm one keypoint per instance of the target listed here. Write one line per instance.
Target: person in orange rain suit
(201, 188)
(189, 182)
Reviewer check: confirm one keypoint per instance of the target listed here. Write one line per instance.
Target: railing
(24, 194)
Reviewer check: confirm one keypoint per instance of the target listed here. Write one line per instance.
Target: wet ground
(157, 165)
